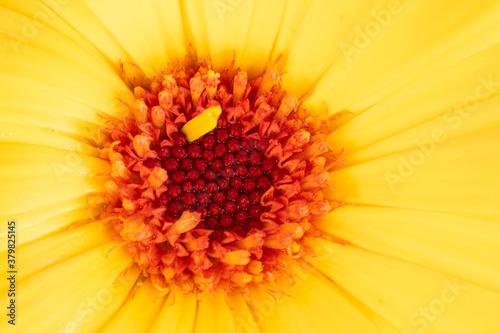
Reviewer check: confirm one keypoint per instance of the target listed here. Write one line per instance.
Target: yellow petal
(463, 247)
(79, 293)
(38, 222)
(262, 32)
(459, 177)
(178, 314)
(41, 253)
(395, 45)
(66, 128)
(429, 136)
(45, 58)
(218, 29)
(242, 315)
(40, 16)
(317, 30)
(410, 297)
(456, 99)
(79, 16)
(232, 314)
(137, 312)
(31, 135)
(311, 304)
(150, 31)
(68, 175)
(208, 320)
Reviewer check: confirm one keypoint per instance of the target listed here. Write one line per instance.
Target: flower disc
(217, 179)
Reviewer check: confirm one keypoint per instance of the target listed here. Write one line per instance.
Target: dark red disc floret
(222, 173)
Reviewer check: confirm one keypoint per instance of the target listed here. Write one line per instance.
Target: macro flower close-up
(250, 166)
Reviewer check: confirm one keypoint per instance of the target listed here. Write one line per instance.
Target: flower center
(221, 175)
(217, 180)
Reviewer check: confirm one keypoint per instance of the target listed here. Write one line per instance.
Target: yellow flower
(411, 91)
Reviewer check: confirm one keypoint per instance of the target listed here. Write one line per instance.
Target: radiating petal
(243, 316)
(463, 247)
(40, 221)
(311, 303)
(46, 61)
(40, 16)
(412, 298)
(267, 17)
(79, 16)
(429, 136)
(401, 42)
(48, 137)
(138, 311)
(79, 293)
(150, 31)
(457, 99)
(219, 29)
(310, 35)
(459, 177)
(47, 251)
(54, 121)
(67, 174)
(178, 314)
(232, 314)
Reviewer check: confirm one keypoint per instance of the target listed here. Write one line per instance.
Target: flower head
(150, 184)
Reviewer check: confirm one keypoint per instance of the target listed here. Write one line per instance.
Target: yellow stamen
(186, 222)
(202, 124)
(158, 117)
(165, 99)
(238, 257)
(140, 92)
(140, 111)
(239, 86)
(255, 267)
(157, 177)
(141, 144)
(212, 83)
(118, 169)
(288, 104)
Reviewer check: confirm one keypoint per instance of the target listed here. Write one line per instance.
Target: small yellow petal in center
(202, 124)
